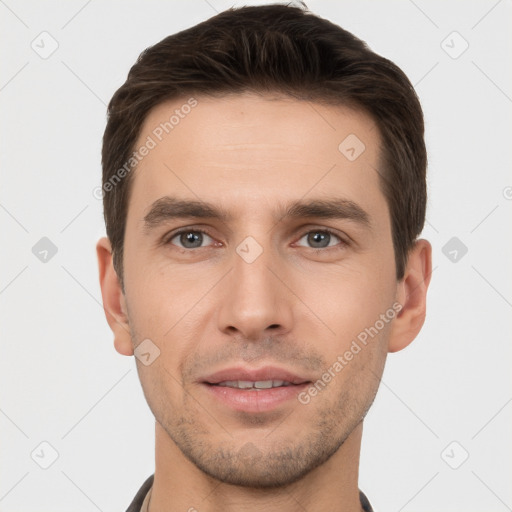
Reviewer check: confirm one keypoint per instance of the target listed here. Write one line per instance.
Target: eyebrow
(168, 208)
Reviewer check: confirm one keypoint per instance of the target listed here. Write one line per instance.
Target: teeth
(248, 384)
(263, 384)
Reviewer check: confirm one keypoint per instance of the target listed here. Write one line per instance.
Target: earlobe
(114, 303)
(412, 295)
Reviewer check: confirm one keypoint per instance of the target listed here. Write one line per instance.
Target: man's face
(260, 288)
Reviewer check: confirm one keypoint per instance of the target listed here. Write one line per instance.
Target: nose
(255, 301)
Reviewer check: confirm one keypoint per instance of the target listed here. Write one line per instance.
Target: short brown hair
(277, 49)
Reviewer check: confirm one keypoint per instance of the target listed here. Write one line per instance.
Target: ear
(114, 303)
(412, 295)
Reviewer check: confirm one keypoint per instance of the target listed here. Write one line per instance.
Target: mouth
(255, 378)
(254, 385)
(254, 390)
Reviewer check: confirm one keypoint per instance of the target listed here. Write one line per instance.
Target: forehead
(253, 149)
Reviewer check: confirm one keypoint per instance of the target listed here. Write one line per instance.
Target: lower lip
(251, 400)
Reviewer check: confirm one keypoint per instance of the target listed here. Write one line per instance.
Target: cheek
(157, 297)
(347, 301)
(162, 389)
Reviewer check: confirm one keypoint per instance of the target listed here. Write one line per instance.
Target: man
(264, 188)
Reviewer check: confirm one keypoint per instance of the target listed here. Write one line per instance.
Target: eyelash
(342, 243)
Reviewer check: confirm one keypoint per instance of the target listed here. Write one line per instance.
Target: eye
(190, 238)
(321, 238)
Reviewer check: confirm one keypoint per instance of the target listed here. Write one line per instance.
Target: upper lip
(254, 374)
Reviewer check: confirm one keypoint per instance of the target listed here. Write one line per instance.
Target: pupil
(319, 238)
(191, 239)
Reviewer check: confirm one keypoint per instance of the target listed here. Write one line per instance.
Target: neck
(180, 486)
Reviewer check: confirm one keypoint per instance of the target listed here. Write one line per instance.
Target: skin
(295, 306)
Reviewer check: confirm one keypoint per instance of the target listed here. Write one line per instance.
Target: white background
(61, 381)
